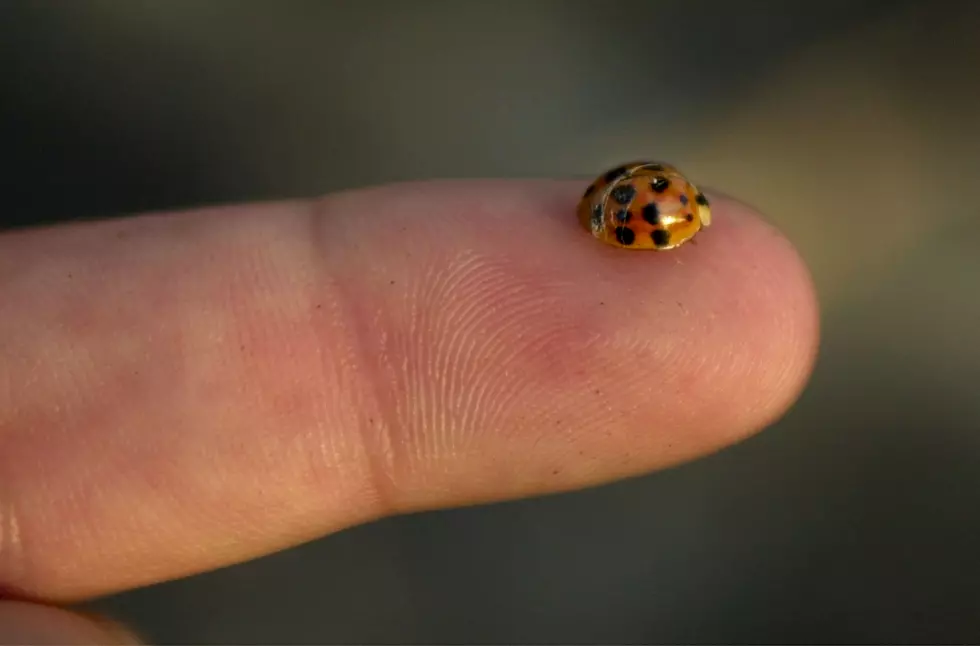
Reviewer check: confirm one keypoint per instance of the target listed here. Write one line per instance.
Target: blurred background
(854, 125)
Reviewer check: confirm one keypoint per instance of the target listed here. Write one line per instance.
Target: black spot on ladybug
(651, 214)
(661, 238)
(622, 215)
(597, 216)
(689, 217)
(684, 200)
(701, 199)
(659, 185)
(615, 174)
(625, 236)
(623, 194)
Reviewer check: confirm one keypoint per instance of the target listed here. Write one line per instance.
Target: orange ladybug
(644, 205)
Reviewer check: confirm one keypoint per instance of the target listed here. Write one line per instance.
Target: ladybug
(644, 205)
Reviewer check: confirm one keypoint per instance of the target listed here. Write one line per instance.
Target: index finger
(184, 391)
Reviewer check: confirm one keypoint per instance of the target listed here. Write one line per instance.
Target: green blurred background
(855, 126)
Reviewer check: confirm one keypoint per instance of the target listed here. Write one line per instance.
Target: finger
(28, 623)
(182, 392)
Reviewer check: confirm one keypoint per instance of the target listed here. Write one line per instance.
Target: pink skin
(184, 391)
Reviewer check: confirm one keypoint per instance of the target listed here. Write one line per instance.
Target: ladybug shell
(644, 205)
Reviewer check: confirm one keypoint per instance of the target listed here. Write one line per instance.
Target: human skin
(184, 391)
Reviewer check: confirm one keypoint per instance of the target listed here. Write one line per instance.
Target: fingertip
(775, 308)
(592, 362)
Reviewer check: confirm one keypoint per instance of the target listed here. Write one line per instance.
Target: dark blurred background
(855, 126)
